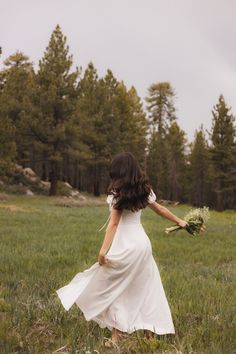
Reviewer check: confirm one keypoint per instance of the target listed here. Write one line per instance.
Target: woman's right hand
(102, 259)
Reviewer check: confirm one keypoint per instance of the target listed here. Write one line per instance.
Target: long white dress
(127, 292)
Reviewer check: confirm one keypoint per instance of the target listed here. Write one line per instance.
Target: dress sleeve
(152, 197)
(110, 198)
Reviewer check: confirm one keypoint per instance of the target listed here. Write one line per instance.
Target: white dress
(127, 292)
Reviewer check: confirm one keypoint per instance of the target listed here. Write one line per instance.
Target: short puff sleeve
(152, 197)
(110, 199)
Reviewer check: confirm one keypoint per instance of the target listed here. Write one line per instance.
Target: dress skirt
(127, 292)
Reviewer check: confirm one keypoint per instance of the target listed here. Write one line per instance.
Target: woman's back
(128, 216)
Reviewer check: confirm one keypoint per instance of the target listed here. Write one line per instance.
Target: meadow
(43, 245)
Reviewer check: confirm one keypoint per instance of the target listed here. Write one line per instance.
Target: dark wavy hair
(128, 183)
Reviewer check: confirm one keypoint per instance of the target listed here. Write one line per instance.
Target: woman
(123, 290)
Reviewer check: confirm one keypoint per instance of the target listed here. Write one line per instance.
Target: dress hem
(103, 324)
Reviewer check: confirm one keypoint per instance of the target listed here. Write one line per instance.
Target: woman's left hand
(202, 228)
(182, 223)
(102, 259)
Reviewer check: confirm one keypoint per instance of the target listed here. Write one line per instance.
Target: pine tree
(92, 126)
(156, 164)
(111, 121)
(15, 82)
(160, 106)
(138, 127)
(176, 162)
(132, 121)
(112, 93)
(161, 114)
(199, 181)
(223, 155)
(54, 126)
(7, 144)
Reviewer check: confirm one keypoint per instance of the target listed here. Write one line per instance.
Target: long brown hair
(128, 183)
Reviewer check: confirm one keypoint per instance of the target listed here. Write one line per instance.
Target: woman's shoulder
(110, 199)
(152, 197)
(111, 194)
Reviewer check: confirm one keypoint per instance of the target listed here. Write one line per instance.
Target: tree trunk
(219, 200)
(53, 178)
(45, 174)
(32, 158)
(75, 182)
(96, 185)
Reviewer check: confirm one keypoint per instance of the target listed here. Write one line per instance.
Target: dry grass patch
(15, 208)
(70, 202)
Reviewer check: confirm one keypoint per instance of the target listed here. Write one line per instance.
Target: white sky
(190, 43)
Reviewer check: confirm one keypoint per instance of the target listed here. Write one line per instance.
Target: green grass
(43, 246)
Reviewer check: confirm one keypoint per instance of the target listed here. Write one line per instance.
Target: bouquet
(195, 219)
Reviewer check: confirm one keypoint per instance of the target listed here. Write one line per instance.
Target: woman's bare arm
(166, 213)
(109, 235)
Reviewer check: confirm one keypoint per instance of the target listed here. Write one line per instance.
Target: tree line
(67, 125)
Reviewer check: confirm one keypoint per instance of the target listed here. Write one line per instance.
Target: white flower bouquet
(196, 218)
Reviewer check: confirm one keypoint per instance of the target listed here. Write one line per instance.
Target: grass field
(44, 245)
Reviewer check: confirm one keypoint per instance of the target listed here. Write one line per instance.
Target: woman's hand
(202, 228)
(182, 223)
(102, 258)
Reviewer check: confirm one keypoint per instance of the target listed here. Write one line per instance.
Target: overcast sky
(190, 43)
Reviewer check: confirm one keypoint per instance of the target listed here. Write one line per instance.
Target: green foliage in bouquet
(195, 219)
